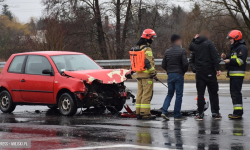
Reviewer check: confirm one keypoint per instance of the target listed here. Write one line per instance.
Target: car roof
(49, 53)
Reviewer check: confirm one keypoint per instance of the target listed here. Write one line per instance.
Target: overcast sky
(25, 9)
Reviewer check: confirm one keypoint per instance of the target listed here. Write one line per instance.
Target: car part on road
(52, 106)
(94, 110)
(130, 95)
(129, 113)
(37, 111)
(67, 104)
(206, 106)
(6, 103)
(158, 112)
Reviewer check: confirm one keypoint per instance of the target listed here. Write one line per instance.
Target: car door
(36, 87)
(12, 78)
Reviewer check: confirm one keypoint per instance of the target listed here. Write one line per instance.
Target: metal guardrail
(2, 64)
(126, 62)
(122, 62)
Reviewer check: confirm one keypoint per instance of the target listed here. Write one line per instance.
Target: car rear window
(16, 64)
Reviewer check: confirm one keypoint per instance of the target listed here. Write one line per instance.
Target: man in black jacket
(207, 67)
(236, 65)
(176, 65)
(192, 66)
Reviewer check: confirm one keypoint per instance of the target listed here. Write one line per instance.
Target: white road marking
(120, 146)
(133, 147)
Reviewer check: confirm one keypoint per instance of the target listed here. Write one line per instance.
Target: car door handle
(23, 80)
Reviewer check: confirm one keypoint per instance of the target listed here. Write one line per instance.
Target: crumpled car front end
(104, 88)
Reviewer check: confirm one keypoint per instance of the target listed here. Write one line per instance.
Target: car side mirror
(47, 71)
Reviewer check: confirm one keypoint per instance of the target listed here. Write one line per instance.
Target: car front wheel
(6, 103)
(120, 104)
(67, 105)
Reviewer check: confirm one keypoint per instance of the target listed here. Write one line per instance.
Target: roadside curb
(193, 81)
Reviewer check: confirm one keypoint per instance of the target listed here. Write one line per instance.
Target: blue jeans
(175, 83)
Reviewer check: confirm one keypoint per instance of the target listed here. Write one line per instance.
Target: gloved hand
(129, 74)
(155, 77)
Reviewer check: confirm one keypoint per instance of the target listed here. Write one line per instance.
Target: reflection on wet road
(49, 130)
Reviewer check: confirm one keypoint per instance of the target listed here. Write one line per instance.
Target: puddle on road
(52, 130)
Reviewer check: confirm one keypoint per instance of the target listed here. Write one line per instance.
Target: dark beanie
(175, 37)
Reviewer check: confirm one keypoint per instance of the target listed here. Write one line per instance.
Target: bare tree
(238, 10)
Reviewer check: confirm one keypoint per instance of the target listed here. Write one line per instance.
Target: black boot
(139, 117)
(148, 117)
(233, 116)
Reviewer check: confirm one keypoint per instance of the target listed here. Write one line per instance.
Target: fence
(122, 62)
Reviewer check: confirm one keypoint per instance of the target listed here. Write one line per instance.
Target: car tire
(52, 106)
(67, 105)
(6, 103)
(120, 105)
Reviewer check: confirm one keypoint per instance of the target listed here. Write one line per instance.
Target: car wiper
(70, 70)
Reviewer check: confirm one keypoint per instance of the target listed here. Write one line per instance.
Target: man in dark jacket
(176, 65)
(207, 67)
(236, 65)
(192, 66)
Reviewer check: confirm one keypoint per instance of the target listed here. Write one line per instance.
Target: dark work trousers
(235, 91)
(207, 78)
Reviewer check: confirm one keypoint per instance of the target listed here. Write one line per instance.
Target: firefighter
(236, 65)
(145, 78)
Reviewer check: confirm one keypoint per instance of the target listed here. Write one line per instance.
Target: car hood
(106, 76)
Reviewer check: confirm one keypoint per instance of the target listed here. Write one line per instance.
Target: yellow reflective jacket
(149, 72)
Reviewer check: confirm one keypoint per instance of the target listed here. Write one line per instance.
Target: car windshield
(74, 63)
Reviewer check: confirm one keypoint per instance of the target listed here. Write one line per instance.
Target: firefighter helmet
(235, 34)
(148, 33)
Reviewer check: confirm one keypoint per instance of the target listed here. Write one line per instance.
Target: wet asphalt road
(49, 130)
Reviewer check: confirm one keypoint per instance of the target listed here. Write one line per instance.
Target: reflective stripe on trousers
(237, 73)
(142, 105)
(238, 107)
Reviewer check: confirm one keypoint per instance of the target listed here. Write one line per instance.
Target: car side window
(60, 63)
(36, 64)
(16, 64)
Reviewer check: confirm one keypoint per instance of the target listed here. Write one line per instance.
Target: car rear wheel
(6, 103)
(67, 105)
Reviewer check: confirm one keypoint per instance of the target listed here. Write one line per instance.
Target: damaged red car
(64, 80)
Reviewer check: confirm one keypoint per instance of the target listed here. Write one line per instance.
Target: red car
(64, 80)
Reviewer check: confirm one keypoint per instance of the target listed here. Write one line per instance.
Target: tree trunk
(100, 32)
(119, 50)
(125, 28)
